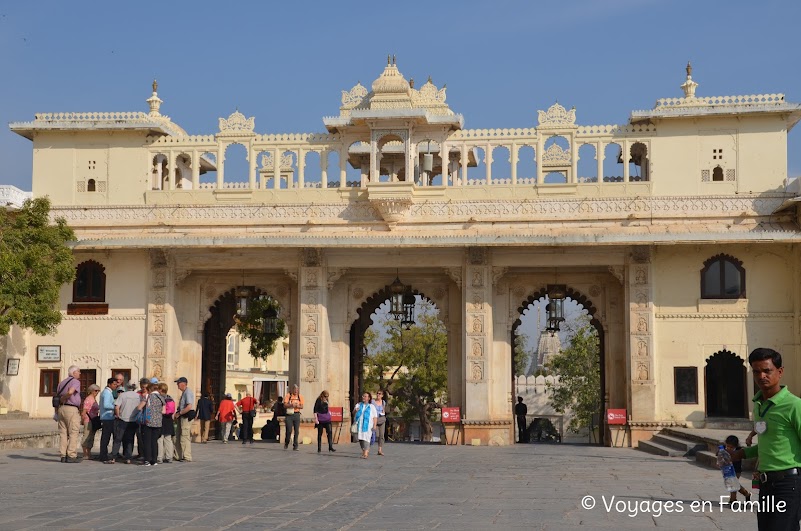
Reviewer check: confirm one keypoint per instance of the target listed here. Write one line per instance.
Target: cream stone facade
(479, 221)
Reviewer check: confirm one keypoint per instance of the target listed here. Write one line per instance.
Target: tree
(521, 355)
(252, 326)
(577, 377)
(35, 261)
(412, 365)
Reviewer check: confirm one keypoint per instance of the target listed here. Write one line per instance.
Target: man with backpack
(67, 401)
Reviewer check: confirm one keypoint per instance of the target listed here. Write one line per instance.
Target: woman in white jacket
(365, 417)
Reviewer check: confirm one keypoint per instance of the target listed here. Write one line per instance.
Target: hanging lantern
(396, 300)
(555, 307)
(243, 294)
(270, 321)
(409, 301)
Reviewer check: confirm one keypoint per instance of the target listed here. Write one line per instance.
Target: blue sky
(286, 63)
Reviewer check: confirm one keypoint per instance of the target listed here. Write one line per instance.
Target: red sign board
(451, 415)
(336, 414)
(616, 416)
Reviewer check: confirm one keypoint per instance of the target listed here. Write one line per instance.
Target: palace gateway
(676, 231)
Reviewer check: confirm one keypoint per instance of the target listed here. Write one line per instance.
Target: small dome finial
(154, 101)
(689, 85)
(393, 59)
(389, 59)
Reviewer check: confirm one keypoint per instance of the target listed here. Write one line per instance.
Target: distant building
(12, 197)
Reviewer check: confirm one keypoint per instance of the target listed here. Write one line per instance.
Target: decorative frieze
(432, 211)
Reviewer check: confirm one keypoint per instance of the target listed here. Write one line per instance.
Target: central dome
(391, 81)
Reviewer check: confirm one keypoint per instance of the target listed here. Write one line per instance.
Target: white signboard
(45, 353)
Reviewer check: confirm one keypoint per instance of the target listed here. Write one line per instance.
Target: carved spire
(689, 85)
(154, 101)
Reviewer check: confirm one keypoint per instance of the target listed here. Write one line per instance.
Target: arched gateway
(393, 182)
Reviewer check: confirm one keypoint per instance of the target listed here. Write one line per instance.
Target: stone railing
(751, 99)
(92, 117)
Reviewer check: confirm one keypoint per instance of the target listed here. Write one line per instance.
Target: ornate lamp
(555, 307)
(396, 300)
(270, 321)
(243, 294)
(409, 301)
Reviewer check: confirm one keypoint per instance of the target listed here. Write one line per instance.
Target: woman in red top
(226, 415)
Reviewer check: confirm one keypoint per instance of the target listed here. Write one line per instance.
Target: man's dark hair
(762, 353)
(519, 398)
(733, 441)
(111, 381)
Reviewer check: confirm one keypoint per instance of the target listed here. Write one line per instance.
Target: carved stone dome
(391, 81)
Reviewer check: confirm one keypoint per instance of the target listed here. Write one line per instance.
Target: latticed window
(723, 277)
(90, 283)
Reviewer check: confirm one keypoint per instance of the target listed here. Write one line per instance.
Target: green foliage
(521, 355)
(35, 261)
(411, 364)
(251, 327)
(578, 377)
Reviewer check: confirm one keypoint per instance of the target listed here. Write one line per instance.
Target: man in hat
(185, 413)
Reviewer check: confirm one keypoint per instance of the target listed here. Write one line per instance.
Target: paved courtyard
(413, 487)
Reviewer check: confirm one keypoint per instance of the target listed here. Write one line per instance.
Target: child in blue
(733, 444)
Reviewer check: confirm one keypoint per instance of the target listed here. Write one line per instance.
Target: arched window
(723, 277)
(717, 174)
(90, 283)
(91, 185)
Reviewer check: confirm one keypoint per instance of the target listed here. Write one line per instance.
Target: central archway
(583, 302)
(365, 374)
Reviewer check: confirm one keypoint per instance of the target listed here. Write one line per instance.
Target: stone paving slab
(413, 487)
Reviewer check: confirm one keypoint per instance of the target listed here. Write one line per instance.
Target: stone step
(678, 443)
(656, 448)
(15, 415)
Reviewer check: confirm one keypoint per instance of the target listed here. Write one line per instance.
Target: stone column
(445, 161)
(324, 169)
(599, 158)
(640, 326)
(513, 156)
(574, 155)
(252, 155)
(156, 362)
(312, 332)
(488, 163)
(625, 156)
(195, 170)
(301, 168)
(277, 169)
(480, 371)
(220, 165)
(463, 161)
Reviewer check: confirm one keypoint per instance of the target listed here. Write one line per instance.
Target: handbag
(354, 428)
(96, 424)
(322, 418)
(58, 398)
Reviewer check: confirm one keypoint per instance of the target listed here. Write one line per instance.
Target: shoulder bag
(59, 400)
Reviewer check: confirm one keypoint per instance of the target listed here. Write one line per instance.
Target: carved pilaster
(639, 299)
(157, 315)
(478, 323)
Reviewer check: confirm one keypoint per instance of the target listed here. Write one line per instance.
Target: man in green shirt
(777, 421)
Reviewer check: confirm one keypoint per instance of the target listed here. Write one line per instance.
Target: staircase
(702, 444)
(671, 445)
